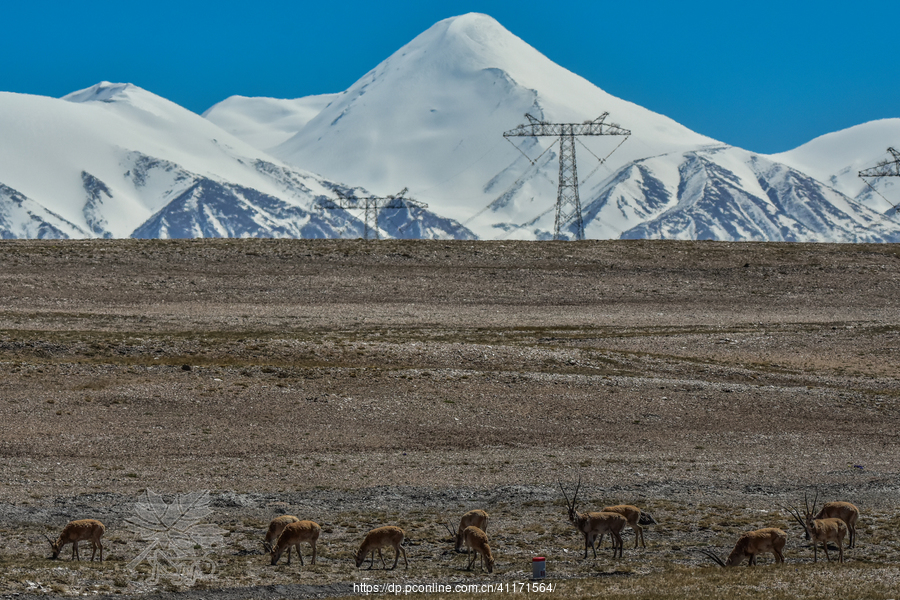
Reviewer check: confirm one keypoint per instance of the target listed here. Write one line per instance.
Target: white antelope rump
(276, 526)
(634, 517)
(592, 524)
(474, 518)
(846, 512)
(292, 536)
(77, 531)
(379, 538)
(476, 541)
(821, 530)
(770, 539)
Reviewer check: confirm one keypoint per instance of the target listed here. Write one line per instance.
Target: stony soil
(361, 383)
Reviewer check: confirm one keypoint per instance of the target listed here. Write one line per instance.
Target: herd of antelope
(830, 525)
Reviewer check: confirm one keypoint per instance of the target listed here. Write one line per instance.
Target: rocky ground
(361, 383)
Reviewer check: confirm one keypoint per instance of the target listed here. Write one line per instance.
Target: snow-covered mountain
(266, 122)
(115, 160)
(837, 158)
(431, 117)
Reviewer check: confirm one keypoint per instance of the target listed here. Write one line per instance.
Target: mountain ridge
(114, 160)
(360, 136)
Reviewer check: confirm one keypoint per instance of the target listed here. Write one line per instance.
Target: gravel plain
(361, 383)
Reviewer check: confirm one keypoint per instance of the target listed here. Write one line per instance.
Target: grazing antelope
(846, 512)
(275, 528)
(821, 530)
(477, 518)
(634, 517)
(770, 539)
(77, 531)
(476, 541)
(292, 535)
(592, 524)
(381, 538)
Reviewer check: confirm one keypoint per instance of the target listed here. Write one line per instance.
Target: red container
(538, 567)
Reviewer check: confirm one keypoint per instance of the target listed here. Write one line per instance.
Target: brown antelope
(276, 526)
(477, 518)
(846, 512)
(770, 539)
(379, 538)
(292, 535)
(77, 531)
(634, 517)
(476, 541)
(821, 530)
(595, 523)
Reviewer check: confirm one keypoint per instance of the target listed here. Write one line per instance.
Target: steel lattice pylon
(568, 203)
(371, 205)
(887, 168)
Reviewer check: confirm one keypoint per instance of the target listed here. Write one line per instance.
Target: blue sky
(766, 75)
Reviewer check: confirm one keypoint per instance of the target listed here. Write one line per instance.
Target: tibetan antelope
(846, 512)
(77, 531)
(477, 518)
(292, 535)
(821, 530)
(275, 528)
(379, 538)
(770, 539)
(476, 541)
(634, 517)
(592, 524)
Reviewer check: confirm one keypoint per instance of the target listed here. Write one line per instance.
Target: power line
(889, 167)
(371, 206)
(568, 203)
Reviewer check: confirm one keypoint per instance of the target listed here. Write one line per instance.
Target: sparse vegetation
(470, 375)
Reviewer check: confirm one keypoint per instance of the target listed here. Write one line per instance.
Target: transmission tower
(371, 206)
(568, 204)
(889, 167)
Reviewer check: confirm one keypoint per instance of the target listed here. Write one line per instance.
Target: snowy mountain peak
(837, 158)
(435, 111)
(473, 40)
(101, 92)
(130, 101)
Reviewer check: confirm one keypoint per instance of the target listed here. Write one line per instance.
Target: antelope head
(736, 557)
(454, 535)
(713, 557)
(573, 514)
(449, 527)
(53, 546)
(806, 520)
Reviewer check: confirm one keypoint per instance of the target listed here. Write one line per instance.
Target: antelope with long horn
(821, 530)
(77, 531)
(770, 539)
(846, 512)
(592, 524)
(474, 518)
